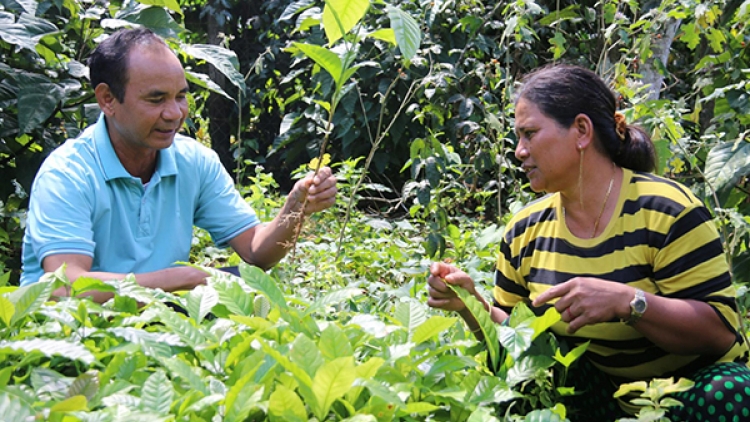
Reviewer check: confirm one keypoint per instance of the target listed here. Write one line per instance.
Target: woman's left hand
(583, 301)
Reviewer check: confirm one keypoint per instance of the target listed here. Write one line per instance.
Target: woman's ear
(105, 98)
(584, 130)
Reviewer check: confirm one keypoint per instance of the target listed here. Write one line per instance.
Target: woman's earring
(580, 178)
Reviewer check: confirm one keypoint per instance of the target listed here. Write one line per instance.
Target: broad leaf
(285, 405)
(516, 340)
(324, 58)
(727, 163)
(340, 16)
(71, 404)
(432, 327)
(225, 61)
(572, 356)
(262, 282)
(331, 382)
(38, 99)
(172, 5)
(234, 297)
(542, 323)
(29, 299)
(408, 35)
(204, 81)
(305, 353)
(157, 394)
(154, 18)
(486, 324)
(186, 373)
(334, 343)
(86, 385)
(6, 310)
(48, 348)
(14, 408)
(200, 301)
(295, 8)
(26, 32)
(411, 314)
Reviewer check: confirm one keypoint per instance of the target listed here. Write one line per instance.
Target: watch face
(639, 306)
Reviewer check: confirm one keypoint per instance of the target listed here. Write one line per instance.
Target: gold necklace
(606, 198)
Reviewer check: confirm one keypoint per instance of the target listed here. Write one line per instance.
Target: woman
(632, 261)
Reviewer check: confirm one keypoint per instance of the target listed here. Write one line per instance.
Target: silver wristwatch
(637, 307)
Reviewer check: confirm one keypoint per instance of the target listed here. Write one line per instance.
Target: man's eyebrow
(158, 93)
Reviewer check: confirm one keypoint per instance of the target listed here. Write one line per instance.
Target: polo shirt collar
(110, 164)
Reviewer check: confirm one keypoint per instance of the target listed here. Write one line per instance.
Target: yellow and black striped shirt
(661, 240)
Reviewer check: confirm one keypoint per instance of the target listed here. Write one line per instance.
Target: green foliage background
(423, 134)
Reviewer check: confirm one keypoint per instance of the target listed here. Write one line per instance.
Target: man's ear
(584, 130)
(105, 98)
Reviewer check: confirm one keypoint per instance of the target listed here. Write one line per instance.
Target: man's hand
(319, 189)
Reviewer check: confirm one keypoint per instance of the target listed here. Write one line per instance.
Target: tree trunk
(221, 111)
(660, 46)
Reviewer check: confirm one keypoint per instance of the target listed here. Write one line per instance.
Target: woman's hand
(441, 296)
(586, 300)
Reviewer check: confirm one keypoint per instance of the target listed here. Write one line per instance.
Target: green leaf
(333, 298)
(225, 61)
(87, 284)
(491, 389)
(26, 32)
(340, 16)
(262, 282)
(323, 57)
(572, 356)
(157, 394)
(48, 348)
(242, 398)
(285, 405)
(637, 386)
(295, 369)
(305, 353)
(13, 408)
(204, 81)
(154, 18)
(726, 163)
(408, 35)
(432, 327)
(6, 310)
(38, 98)
(411, 314)
(486, 324)
(186, 373)
(386, 34)
(71, 404)
(169, 4)
(558, 45)
(542, 323)
(334, 343)
(86, 385)
(200, 301)
(233, 296)
(516, 340)
(29, 299)
(181, 326)
(331, 382)
(570, 12)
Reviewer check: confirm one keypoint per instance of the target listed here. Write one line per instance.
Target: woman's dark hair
(563, 91)
(108, 62)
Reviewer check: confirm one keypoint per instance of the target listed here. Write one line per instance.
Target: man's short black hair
(108, 62)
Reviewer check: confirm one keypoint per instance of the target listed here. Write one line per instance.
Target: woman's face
(547, 151)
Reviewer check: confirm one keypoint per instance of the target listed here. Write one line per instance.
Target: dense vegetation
(417, 123)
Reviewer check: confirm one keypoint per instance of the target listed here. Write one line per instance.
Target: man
(124, 196)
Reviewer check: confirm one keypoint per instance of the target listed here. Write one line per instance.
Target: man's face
(155, 103)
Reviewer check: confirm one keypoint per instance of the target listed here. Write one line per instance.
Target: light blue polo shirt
(83, 201)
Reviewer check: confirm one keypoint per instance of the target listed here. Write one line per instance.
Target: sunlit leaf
(285, 405)
(340, 16)
(486, 324)
(323, 57)
(172, 5)
(225, 61)
(71, 404)
(29, 298)
(13, 408)
(6, 310)
(48, 348)
(572, 356)
(331, 382)
(386, 34)
(262, 282)
(432, 327)
(542, 323)
(726, 163)
(200, 301)
(406, 29)
(334, 343)
(157, 394)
